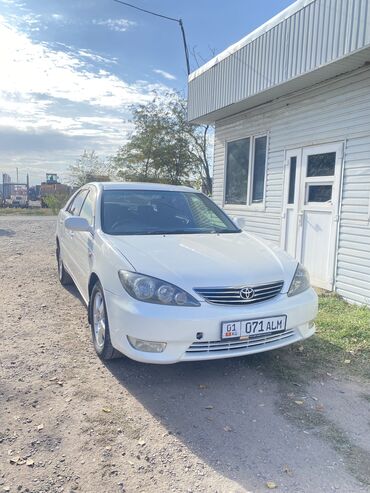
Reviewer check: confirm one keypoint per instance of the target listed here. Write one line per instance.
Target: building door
(311, 209)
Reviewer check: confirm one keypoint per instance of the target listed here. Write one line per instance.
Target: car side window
(88, 207)
(76, 204)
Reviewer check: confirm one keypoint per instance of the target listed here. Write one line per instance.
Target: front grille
(232, 296)
(212, 346)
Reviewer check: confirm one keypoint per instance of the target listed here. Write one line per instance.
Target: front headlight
(153, 290)
(300, 282)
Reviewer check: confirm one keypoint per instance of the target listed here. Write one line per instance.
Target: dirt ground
(70, 423)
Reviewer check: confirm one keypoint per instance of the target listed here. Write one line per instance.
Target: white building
(291, 107)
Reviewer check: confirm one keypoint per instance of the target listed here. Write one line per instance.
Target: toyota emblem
(246, 293)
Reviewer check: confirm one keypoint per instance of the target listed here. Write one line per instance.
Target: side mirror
(76, 223)
(239, 222)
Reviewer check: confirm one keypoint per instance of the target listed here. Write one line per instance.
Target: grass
(37, 211)
(343, 325)
(341, 343)
(343, 334)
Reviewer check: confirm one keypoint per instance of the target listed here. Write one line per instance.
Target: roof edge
(267, 26)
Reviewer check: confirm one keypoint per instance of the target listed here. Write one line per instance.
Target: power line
(179, 21)
(147, 11)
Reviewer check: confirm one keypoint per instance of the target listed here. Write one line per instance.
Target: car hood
(207, 260)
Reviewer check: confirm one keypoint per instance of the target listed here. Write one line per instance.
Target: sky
(70, 70)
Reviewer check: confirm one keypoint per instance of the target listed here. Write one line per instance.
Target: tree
(57, 201)
(88, 167)
(164, 146)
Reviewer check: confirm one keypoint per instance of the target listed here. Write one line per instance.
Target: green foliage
(347, 326)
(342, 340)
(164, 146)
(88, 167)
(56, 202)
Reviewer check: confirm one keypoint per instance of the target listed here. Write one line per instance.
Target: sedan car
(167, 276)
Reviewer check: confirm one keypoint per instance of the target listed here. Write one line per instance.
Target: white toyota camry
(167, 276)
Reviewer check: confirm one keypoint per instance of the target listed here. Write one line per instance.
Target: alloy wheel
(99, 320)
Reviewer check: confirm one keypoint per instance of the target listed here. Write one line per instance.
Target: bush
(56, 202)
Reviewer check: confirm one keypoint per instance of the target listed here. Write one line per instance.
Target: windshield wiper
(176, 232)
(192, 231)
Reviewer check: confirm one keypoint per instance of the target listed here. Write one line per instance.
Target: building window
(321, 164)
(259, 169)
(245, 171)
(292, 175)
(319, 193)
(237, 168)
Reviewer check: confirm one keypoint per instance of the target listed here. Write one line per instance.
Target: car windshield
(145, 212)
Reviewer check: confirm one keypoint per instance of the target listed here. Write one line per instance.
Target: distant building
(34, 193)
(7, 188)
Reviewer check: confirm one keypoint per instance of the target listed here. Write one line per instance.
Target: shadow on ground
(240, 416)
(222, 410)
(71, 288)
(7, 232)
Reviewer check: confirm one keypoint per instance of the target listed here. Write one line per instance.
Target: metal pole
(185, 45)
(168, 18)
(28, 188)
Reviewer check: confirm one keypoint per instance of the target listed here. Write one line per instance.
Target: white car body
(189, 261)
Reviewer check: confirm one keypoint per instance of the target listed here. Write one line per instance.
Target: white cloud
(10, 2)
(96, 58)
(56, 100)
(164, 74)
(57, 17)
(29, 68)
(119, 25)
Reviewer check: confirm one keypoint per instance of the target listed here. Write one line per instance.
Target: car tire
(100, 325)
(64, 278)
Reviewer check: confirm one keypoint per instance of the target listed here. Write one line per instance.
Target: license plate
(243, 329)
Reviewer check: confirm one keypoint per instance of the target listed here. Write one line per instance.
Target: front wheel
(100, 325)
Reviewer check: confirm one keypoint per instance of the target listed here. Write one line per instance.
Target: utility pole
(179, 21)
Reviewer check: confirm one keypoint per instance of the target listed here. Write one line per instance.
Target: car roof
(111, 185)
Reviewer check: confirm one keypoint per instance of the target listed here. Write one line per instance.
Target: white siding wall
(337, 110)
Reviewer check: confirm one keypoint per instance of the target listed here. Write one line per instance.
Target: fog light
(147, 346)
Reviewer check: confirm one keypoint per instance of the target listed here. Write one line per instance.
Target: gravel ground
(70, 423)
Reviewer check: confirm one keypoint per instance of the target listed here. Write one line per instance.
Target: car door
(83, 243)
(67, 242)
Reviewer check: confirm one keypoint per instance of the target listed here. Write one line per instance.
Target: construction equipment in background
(52, 188)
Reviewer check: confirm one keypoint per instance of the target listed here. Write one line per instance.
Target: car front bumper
(180, 327)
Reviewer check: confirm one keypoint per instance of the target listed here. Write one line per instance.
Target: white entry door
(311, 209)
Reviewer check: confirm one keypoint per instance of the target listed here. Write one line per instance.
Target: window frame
(69, 205)
(249, 205)
(91, 190)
